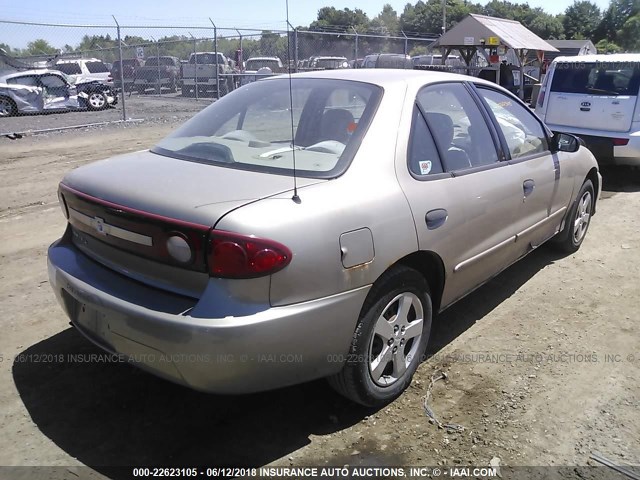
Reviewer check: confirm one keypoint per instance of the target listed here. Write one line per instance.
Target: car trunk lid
(125, 211)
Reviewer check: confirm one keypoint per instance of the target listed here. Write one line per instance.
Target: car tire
(173, 88)
(382, 356)
(7, 107)
(97, 101)
(575, 228)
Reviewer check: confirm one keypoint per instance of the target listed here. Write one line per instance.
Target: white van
(596, 97)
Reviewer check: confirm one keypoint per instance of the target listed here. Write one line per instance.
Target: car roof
(40, 71)
(386, 77)
(77, 60)
(615, 57)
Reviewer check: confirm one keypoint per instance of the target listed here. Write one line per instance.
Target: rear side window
(599, 78)
(69, 68)
(423, 155)
(29, 81)
(97, 67)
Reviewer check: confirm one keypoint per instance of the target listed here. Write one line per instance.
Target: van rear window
(600, 78)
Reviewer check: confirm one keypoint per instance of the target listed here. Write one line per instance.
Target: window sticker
(425, 167)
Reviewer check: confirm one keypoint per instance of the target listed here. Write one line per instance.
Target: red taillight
(620, 142)
(231, 255)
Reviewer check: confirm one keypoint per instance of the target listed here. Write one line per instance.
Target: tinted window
(29, 81)
(330, 62)
(69, 68)
(97, 67)
(154, 61)
(613, 78)
(522, 131)
(252, 129)
(460, 131)
(423, 155)
(205, 58)
(258, 64)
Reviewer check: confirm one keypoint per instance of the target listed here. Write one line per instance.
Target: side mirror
(565, 142)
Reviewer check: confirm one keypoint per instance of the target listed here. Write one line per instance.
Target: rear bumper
(168, 335)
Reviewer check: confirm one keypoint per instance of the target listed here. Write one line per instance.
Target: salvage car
(311, 226)
(36, 91)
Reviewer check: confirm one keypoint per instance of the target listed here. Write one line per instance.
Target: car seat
(336, 124)
(442, 127)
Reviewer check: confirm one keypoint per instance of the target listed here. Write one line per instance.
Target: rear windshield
(251, 128)
(258, 64)
(205, 58)
(155, 61)
(600, 78)
(331, 62)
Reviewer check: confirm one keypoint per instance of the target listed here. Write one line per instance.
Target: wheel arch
(593, 176)
(431, 267)
(12, 102)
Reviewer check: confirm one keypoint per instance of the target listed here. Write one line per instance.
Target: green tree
(629, 35)
(40, 47)
(615, 17)
(581, 20)
(426, 17)
(387, 21)
(330, 17)
(605, 46)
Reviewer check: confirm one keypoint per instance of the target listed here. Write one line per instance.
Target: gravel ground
(543, 362)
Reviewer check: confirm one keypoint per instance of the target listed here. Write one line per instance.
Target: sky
(255, 14)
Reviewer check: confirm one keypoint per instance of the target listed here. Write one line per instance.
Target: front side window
(459, 129)
(52, 81)
(522, 131)
(252, 128)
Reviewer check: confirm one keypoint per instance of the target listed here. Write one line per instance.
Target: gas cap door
(356, 247)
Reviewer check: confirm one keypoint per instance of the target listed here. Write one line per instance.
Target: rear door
(594, 95)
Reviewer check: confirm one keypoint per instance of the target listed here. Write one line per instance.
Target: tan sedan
(311, 226)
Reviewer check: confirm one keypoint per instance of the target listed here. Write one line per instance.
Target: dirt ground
(543, 362)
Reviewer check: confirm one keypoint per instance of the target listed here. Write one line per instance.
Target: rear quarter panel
(366, 196)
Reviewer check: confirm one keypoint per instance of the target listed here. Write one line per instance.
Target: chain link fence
(121, 72)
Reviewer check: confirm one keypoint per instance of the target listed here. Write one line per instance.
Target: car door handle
(436, 218)
(528, 187)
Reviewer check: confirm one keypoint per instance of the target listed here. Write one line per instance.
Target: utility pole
(444, 16)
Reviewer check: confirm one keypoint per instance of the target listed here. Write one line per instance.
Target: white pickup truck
(200, 73)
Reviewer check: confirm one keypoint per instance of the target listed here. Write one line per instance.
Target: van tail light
(231, 255)
(620, 142)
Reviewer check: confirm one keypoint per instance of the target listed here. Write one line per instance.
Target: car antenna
(295, 197)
